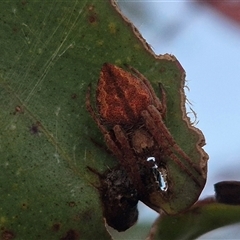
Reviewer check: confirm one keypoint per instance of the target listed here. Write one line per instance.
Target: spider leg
(157, 128)
(163, 100)
(160, 105)
(89, 106)
(125, 154)
(108, 139)
(128, 161)
(157, 119)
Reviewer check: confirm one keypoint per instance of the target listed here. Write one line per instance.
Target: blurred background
(205, 37)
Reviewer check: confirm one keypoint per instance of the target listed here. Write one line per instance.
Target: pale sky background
(208, 47)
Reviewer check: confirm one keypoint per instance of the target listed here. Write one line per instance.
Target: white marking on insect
(160, 174)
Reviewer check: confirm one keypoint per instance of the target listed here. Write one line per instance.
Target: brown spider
(130, 116)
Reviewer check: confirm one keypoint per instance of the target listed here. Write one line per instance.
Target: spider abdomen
(121, 96)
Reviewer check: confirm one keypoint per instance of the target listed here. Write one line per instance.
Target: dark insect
(119, 198)
(131, 118)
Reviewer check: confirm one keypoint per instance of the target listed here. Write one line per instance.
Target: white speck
(57, 111)
(12, 127)
(152, 159)
(14, 11)
(160, 175)
(18, 171)
(39, 50)
(56, 155)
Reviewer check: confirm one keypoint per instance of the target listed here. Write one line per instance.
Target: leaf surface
(50, 52)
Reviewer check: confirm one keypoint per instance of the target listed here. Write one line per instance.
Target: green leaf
(50, 52)
(200, 219)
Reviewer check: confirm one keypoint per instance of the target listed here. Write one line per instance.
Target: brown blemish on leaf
(7, 235)
(56, 227)
(34, 129)
(72, 204)
(92, 15)
(15, 29)
(87, 215)
(92, 19)
(24, 3)
(18, 110)
(71, 235)
(162, 70)
(24, 206)
(77, 217)
(74, 96)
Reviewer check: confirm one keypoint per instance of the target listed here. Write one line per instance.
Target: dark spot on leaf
(70, 235)
(87, 215)
(162, 70)
(24, 206)
(24, 3)
(74, 96)
(15, 29)
(77, 217)
(72, 204)
(34, 129)
(92, 15)
(92, 19)
(18, 109)
(56, 227)
(7, 235)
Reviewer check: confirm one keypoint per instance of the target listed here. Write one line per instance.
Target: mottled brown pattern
(131, 118)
